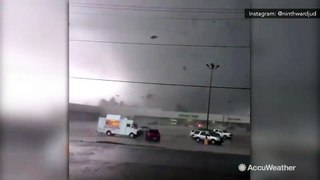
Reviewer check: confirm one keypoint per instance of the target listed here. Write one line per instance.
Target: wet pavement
(89, 160)
(172, 137)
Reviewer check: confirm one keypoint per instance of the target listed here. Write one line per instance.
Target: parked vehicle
(192, 132)
(143, 129)
(153, 135)
(212, 138)
(117, 125)
(224, 134)
(214, 134)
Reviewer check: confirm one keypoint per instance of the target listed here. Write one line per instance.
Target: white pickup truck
(224, 134)
(212, 137)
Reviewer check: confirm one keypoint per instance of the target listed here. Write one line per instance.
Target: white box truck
(117, 125)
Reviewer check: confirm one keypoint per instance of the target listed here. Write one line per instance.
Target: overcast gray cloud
(112, 41)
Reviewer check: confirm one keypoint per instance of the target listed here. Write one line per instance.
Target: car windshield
(213, 134)
(154, 131)
(203, 133)
(134, 125)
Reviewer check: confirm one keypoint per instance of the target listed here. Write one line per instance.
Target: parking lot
(172, 137)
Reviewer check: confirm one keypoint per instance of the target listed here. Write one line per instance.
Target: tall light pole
(212, 67)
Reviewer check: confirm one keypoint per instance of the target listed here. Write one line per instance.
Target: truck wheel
(213, 141)
(109, 133)
(131, 135)
(198, 139)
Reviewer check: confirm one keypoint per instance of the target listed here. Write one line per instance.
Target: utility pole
(212, 67)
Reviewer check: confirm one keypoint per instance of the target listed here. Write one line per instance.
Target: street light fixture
(212, 67)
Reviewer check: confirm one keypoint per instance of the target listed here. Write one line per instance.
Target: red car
(153, 135)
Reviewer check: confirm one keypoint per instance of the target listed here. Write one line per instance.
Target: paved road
(172, 137)
(110, 161)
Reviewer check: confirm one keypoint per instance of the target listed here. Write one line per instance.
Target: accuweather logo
(242, 167)
(268, 167)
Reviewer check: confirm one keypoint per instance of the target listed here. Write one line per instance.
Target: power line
(157, 44)
(160, 84)
(174, 18)
(156, 7)
(223, 10)
(158, 10)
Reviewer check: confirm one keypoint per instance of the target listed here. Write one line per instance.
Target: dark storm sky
(111, 40)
